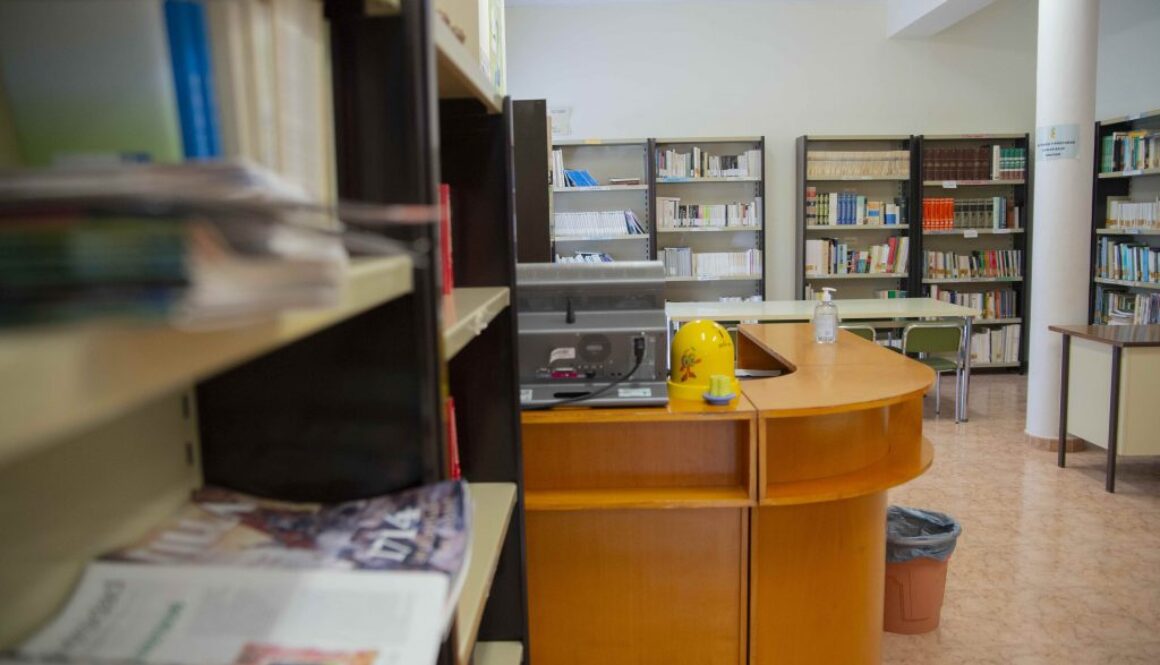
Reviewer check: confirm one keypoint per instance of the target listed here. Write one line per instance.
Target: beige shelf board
(851, 178)
(969, 280)
(1128, 232)
(459, 74)
(580, 143)
(710, 229)
(998, 322)
(498, 653)
(673, 180)
(491, 511)
(953, 184)
(1122, 282)
(857, 227)
(1131, 117)
(970, 232)
(867, 275)
(726, 278)
(467, 312)
(1130, 173)
(62, 380)
(601, 188)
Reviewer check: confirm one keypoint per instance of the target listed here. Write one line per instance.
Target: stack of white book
(996, 345)
(597, 224)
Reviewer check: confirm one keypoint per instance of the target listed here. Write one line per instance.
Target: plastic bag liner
(912, 533)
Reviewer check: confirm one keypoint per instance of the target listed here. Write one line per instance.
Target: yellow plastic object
(699, 350)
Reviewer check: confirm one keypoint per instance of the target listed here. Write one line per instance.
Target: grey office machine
(592, 334)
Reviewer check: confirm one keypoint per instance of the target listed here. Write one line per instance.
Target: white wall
(778, 68)
(1128, 65)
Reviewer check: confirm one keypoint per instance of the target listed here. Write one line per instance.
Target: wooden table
(864, 309)
(752, 533)
(1117, 379)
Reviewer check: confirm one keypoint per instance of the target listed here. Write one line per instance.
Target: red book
(445, 238)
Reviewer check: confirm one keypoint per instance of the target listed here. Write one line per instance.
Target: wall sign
(561, 120)
(1057, 142)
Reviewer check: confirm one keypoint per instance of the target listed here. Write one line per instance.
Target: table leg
(963, 406)
(1114, 419)
(1064, 369)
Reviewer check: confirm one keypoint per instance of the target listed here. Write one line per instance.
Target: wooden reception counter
(747, 533)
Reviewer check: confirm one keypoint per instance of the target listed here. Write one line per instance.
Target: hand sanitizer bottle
(826, 319)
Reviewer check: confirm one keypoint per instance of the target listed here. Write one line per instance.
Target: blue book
(189, 55)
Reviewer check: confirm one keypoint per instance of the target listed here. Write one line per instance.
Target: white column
(1065, 89)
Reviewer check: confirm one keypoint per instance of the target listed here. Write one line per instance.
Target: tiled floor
(1050, 568)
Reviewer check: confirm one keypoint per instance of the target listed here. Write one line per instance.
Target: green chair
(862, 330)
(924, 339)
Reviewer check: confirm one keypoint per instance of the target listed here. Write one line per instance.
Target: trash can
(919, 544)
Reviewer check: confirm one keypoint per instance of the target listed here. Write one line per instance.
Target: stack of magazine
(232, 579)
(198, 244)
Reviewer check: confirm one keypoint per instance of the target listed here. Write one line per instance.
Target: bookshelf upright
(974, 204)
(710, 216)
(854, 215)
(104, 429)
(1125, 285)
(621, 169)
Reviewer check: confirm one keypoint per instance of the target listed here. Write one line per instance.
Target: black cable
(638, 351)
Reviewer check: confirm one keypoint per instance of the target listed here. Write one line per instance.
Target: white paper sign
(970, 233)
(561, 120)
(1057, 142)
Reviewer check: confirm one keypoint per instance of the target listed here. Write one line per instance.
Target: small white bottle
(826, 319)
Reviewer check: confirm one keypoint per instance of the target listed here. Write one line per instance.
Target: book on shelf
(231, 578)
(1118, 307)
(987, 263)
(828, 256)
(1130, 151)
(585, 257)
(624, 181)
(1127, 260)
(858, 164)
(983, 162)
(851, 209)
(699, 163)
(996, 345)
(180, 79)
(1124, 213)
(994, 304)
(889, 294)
(568, 178)
(580, 225)
(672, 214)
(684, 262)
(944, 213)
(753, 298)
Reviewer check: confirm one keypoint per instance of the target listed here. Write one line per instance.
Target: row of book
(684, 262)
(827, 256)
(701, 164)
(984, 162)
(996, 345)
(198, 244)
(1114, 307)
(986, 263)
(940, 213)
(233, 578)
(672, 214)
(850, 208)
(996, 304)
(890, 294)
(1127, 261)
(241, 79)
(585, 257)
(753, 298)
(1123, 213)
(581, 225)
(858, 164)
(1130, 151)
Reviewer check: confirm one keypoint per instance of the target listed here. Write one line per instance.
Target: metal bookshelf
(711, 190)
(890, 188)
(931, 183)
(1133, 184)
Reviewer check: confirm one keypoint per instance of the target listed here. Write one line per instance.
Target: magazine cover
(423, 529)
